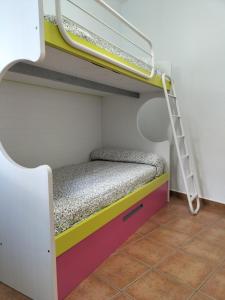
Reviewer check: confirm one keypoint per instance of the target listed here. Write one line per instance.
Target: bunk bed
(63, 53)
(94, 57)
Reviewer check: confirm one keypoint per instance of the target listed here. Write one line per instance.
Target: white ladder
(181, 146)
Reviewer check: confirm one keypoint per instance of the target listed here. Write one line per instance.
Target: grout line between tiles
(211, 274)
(175, 248)
(192, 237)
(135, 280)
(179, 248)
(210, 298)
(114, 296)
(122, 293)
(107, 281)
(152, 266)
(173, 278)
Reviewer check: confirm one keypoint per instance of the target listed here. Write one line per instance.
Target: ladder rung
(193, 197)
(185, 156)
(176, 116)
(180, 136)
(190, 175)
(172, 96)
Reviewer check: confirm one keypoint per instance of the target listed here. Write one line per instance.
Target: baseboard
(204, 201)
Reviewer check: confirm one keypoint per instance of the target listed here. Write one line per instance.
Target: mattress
(83, 189)
(95, 39)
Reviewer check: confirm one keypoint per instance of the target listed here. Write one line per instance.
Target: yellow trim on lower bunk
(67, 239)
(54, 39)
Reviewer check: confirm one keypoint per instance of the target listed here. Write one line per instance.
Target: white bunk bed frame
(96, 53)
(27, 246)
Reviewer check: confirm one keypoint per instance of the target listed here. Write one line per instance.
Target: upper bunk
(90, 47)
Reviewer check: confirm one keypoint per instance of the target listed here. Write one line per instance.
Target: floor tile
(200, 296)
(168, 237)
(163, 216)
(180, 206)
(220, 223)
(175, 201)
(149, 251)
(133, 238)
(207, 217)
(205, 249)
(154, 286)
(214, 234)
(185, 225)
(215, 286)
(215, 207)
(189, 269)
(92, 288)
(182, 211)
(7, 293)
(147, 227)
(121, 269)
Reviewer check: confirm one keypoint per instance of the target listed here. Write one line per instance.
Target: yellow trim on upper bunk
(67, 239)
(54, 39)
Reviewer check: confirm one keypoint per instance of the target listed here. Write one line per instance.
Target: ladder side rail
(174, 132)
(191, 196)
(190, 164)
(186, 146)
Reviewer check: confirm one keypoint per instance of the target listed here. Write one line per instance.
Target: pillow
(129, 156)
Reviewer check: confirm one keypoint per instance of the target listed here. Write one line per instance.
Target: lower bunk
(103, 237)
(102, 222)
(95, 206)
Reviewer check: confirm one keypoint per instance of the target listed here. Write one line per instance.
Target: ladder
(181, 146)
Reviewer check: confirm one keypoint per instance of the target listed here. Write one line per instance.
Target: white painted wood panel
(21, 32)
(27, 248)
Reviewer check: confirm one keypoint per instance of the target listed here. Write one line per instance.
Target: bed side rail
(86, 49)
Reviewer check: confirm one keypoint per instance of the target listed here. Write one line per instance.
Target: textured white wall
(46, 126)
(190, 34)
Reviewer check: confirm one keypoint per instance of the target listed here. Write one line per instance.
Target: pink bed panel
(77, 263)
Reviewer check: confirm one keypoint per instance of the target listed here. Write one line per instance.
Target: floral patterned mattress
(83, 189)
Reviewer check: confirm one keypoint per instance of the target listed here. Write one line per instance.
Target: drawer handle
(134, 211)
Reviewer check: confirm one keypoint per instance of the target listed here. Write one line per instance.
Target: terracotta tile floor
(174, 256)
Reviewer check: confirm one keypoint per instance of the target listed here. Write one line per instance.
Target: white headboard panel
(120, 129)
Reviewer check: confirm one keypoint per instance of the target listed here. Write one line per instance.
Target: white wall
(120, 128)
(45, 126)
(190, 34)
